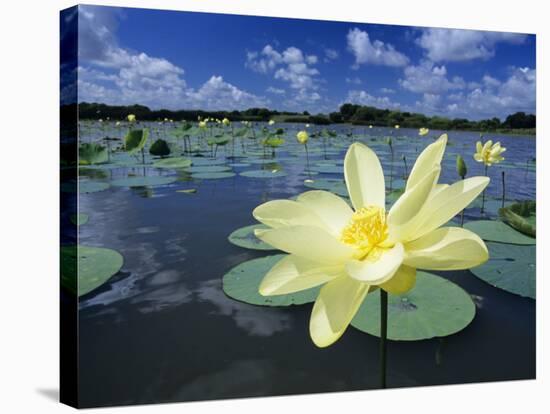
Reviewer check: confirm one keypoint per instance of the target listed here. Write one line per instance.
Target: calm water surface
(162, 330)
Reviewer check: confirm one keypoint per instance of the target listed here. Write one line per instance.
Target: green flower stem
(307, 162)
(462, 212)
(483, 195)
(503, 187)
(383, 335)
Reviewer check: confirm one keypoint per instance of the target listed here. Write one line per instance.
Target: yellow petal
(281, 213)
(403, 281)
(330, 208)
(411, 202)
(426, 161)
(447, 248)
(309, 242)
(293, 274)
(478, 157)
(364, 177)
(378, 271)
(334, 309)
(487, 146)
(479, 146)
(445, 205)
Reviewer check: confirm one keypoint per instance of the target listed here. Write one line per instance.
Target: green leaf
(511, 268)
(243, 281)
(212, 175)
(334, 185)
(143, 181)
(521, 216)
(497, 231)
(160, 148)
(92, 153)
(435, 307)
(207, 168)
(263, 174)
(79, 219)
(175, 163)
(135, 140)
(244, 237)
(93, 266)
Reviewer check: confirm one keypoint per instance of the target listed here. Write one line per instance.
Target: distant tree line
(368, 115)
(348, 113)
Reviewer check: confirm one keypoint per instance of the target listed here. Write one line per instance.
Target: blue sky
(181, 60)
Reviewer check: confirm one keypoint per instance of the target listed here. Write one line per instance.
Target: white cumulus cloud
(460, 45)
(373, 52)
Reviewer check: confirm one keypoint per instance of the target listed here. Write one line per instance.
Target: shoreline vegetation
(518, 123)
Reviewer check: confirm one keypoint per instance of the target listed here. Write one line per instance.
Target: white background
(29, 205)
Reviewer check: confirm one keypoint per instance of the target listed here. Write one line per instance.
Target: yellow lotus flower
(226, 122)
(353, 251)
(117, 123)
(131, 118)
(397, 127)
(271, 122)
(489, 153)
(202, 124)
(423, 131)
(302, 137)
(370, 126)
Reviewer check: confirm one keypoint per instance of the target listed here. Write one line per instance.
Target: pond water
(162, 329)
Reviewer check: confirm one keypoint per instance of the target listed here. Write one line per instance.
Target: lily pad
(206, 161)
(93, 265)
(435, 307)
(176, 162)
(135, 140)
(244, 237)
(497, 231)
(92, 153)
(143, 181)
(207, 168)
(79, 219)
(243, 281)
(334, 185)
(521, 216)
(328, 169)
(212, 175)
(91, 186)
(263, 173)
(511, 268)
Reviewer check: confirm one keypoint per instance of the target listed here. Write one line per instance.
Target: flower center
(366, 230)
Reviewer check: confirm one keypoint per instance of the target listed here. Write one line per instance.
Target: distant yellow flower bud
(302, 137)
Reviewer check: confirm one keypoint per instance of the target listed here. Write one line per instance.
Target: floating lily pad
(263, 174)
(239, 164)
(206, 161)
(188, 191)
(79, 219)
(91, 186)
(207, 168)
(435, 307)
(511, 268)
(93, 265)
(176, 162)
(244, 237)
(143, 181)
(212, 175)
(497, 231)
(328, 169)
(333, 185)
(243, 281)
(521, 216)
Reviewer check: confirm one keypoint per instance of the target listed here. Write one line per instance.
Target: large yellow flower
(423, 131)
(353, 251)
(489, 153)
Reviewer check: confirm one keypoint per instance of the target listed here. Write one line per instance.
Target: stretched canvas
(257, 206)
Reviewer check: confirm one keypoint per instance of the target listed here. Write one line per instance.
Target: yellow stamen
(366, 229)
